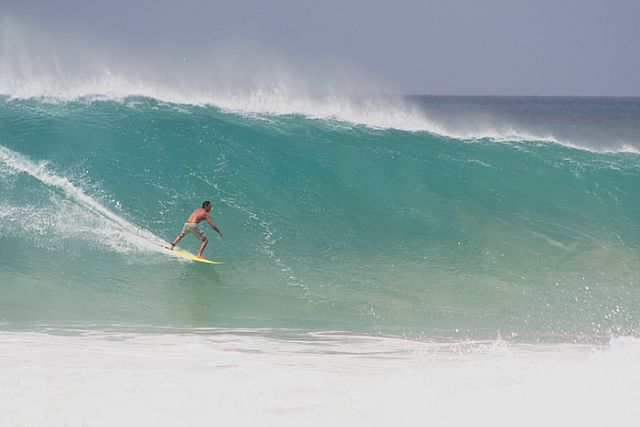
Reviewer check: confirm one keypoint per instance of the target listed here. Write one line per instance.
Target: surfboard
(190, 256)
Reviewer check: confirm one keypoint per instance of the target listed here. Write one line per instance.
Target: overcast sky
(474, 47)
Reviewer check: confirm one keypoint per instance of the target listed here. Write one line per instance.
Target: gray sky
(543, 47)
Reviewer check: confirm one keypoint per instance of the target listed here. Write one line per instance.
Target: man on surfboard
(191, 226)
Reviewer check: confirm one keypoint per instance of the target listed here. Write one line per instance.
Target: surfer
(191, 226)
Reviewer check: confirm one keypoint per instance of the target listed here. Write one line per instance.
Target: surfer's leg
(185, 230)
(175, 242)
(202, 246)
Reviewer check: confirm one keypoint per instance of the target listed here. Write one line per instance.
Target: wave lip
(375, 112)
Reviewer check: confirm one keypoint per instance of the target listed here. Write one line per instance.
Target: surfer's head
(206, 205)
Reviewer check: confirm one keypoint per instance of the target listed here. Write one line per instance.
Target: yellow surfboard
(190, 256)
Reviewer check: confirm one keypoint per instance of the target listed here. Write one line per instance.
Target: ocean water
(387, 260)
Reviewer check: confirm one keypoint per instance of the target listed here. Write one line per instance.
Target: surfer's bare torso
(198, 215)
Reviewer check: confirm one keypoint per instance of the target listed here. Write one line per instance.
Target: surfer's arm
(214, 226)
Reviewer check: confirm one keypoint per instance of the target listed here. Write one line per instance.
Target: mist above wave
(234, 76)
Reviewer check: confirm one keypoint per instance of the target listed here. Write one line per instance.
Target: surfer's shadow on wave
(195, 274)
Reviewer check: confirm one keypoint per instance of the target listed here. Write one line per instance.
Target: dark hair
(206, 203)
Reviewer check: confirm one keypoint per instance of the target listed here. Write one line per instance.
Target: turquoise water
(328, 224)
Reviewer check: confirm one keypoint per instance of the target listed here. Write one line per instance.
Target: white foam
(275, 98)
(111, 229)
(238, 377)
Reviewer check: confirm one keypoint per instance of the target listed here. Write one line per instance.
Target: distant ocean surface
(388, 261)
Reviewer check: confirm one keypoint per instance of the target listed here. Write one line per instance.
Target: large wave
(326, 225)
